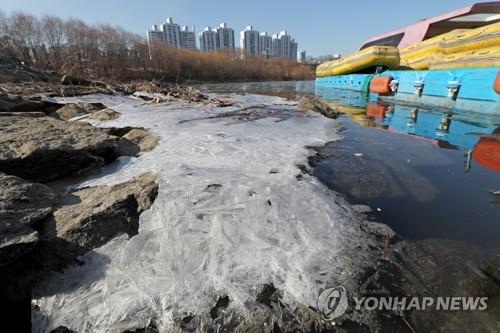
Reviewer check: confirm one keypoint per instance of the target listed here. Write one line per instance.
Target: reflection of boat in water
(460, 130)
(446, 129)
(349, 102)
(486, 152)
(343, 96)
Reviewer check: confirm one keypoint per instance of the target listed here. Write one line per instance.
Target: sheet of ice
(201, 240)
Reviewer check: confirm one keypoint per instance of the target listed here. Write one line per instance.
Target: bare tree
(76, 48)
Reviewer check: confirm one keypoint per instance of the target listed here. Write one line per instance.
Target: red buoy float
(496, 85)
(380, 85)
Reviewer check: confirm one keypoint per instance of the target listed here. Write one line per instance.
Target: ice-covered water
(200, 240)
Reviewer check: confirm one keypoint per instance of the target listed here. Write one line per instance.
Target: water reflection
(442, 128)
(486, 152)
(430, 173)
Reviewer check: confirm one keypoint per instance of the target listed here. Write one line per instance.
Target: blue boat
(461, 89)
(354, 82)
(470, 89)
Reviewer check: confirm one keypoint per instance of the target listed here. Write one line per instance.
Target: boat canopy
(473, 16)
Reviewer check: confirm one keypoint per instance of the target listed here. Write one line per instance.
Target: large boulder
(43, 149)
(74, 80)
(315, 104)
(72, 110)
(87, 218)
(22, 206)
(142, 138)
(106, 114)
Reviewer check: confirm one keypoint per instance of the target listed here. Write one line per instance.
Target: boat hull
(355, 82)
(461, 89)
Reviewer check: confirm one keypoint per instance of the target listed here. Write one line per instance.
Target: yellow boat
(428, 46)
(420, 55)
(469, 40)
(488, 57)
(421, 62)
(386, 56)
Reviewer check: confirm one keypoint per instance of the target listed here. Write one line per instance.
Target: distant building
(276, 46)
(172, 32)
(249, 40)
(225, 37)
(155, 37)
(284, 46)
(265, 44)
(188, 38)
(292, 53)
(208, 40)
(301, 56)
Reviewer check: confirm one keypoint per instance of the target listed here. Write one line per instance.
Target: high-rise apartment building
(188, 38)
(225, 37)
(155, 36)
(292, 54)
(284, 46)
(276, 46)
(172, 32)
(208, 40)
(249, 40)
(265, 44)
(301, 56)
(222, 38)
(285, 40)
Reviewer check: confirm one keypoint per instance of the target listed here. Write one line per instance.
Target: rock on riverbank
(22, 206)
(90, 217)
(43, 149)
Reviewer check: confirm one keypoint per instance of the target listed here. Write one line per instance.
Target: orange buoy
(380, 85)
(496, 85)
(376, 110)
(487, 152)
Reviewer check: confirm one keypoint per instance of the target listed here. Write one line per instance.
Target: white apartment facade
(301, 56)
(249, 40)
(225, 37)
(265, 44)
(208, 40)
(172, 32)
(188, 38)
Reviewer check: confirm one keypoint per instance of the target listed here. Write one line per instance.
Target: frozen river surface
(231, 215)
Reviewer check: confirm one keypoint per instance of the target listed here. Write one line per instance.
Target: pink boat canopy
(469, 17)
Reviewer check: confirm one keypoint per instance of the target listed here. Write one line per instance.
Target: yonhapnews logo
(333, 302)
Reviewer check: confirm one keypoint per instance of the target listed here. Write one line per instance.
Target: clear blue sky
(319, 26)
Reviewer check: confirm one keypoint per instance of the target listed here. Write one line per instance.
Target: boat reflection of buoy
(486, 152)
(376, 110)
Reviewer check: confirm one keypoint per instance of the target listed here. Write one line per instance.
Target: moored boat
(383, 56)
(449, 61)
